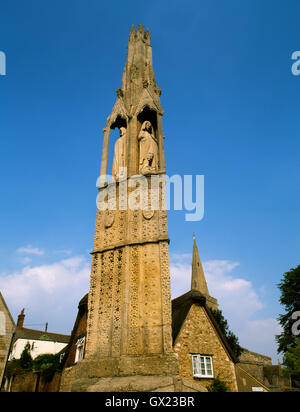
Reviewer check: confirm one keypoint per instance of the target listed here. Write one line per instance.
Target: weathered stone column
(129, 336)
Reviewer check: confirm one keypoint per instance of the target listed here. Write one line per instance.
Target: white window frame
(198, 370)
(79, 349)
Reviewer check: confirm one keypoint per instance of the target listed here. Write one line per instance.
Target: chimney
(21, 318)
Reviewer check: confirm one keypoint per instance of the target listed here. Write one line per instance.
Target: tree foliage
(291, 362)
(47, 364)
(25, 361)
(232, 339)
(290, 299)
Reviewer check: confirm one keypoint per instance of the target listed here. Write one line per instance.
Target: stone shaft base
(127, 374)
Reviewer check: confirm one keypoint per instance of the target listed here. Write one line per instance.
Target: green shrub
(218, 385)
(25, 361)
(47, 364)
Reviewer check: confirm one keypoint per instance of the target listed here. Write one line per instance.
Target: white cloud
(30, 250)
(63, 252)
(237, 296)
(259, 335)
(49, 292)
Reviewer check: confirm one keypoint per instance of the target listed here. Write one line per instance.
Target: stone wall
(24, 382)
(7, 328)
(198, 336)
(52, 386)
(28, 381)
(247, 383)
(254, 363)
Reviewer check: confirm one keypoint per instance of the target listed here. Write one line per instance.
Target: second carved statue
(119, 160)
(148, 160)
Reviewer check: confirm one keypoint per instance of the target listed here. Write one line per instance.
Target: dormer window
(79, 349)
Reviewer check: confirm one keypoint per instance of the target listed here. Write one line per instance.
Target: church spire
(198, 277)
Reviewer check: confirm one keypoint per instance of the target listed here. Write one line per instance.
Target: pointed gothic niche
(119, 123)
(150, 115)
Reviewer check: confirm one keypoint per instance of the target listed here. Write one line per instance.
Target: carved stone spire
(198, 277)
(138, 71)
(138, 100)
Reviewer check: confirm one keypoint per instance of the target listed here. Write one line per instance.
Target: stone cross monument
(129, 337)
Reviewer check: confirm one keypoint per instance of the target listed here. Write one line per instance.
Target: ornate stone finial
(141, 28)
(132, 30)
(120, 92)
(147, 36)
(157, 91)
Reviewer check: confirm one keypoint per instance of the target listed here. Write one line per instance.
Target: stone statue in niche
(119, 160)
(148, 149)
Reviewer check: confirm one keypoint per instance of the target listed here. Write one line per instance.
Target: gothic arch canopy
(148, 100)
(119, 110)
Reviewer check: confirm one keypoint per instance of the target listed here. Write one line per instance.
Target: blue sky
(231, 113)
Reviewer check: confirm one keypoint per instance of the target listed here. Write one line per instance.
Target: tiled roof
(32, 334)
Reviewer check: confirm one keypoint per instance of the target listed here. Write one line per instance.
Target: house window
(202, 366)
(79, 349)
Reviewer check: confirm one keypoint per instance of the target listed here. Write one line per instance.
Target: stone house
(7, 328)
(202, 349)
(40, 342)
(203, 352)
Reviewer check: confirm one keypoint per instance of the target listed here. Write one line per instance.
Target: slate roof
(32, 334)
